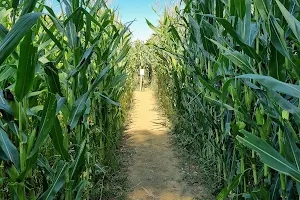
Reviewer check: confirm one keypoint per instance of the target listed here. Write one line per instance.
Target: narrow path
(154, 171)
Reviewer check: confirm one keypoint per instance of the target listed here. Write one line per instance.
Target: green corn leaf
(250, 51)
(240, 6)
(263, 7)
(54, 19)
(98, 79)
(83, 61)
(28, 6)
(7, 72)
(118, 39)
(79, 160)
(57, 137)
(57, 183)
(286, 105)
(275, 188)
(44, 163)
(239, 60)
(219, 103)
(53, 38)
(225, 89)
(4, 104)
(79, 105)
(18, 31)
(236, 57)
(47, 122)
(60, 102)
(209, 86)
(277, 38)
(3, 156)
(77, 110)
(26, 68)
(276, 66)
(53, 78)
(9, 149)
(88, 31)
(175, 33)
(292, 152)
(33, 94)
(14, 128)
(294, 24)
(93, 19)
(275, 85)
(151, 25)
(36, 109)
(71, 34)
(208, 31)
(3, 33)
(79, 188)
(72, 15)
(219, 8)
(124, 51)
(269, 155)
(108, 100)
(225, 191)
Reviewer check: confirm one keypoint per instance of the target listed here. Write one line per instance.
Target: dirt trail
(154, 171)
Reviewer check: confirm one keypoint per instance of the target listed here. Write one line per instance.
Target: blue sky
(130, 10)
(139, 10)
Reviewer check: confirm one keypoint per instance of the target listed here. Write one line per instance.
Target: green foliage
(226, 73)
(65, 90)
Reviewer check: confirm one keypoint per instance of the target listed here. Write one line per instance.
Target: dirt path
(154, 171)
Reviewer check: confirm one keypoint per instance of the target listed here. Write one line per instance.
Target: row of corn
(228, 74)
(63, 80)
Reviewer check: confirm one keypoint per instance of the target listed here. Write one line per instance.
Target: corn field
(227, 73)
(63, 77)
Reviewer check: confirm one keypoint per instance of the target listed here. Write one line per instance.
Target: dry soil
(154, 171)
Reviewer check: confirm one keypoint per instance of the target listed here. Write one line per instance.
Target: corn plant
(63, 77)
(230, 74)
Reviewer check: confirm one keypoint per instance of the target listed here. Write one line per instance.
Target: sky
(139, 10)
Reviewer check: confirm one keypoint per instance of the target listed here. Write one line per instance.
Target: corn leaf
(108, 100)
(57, 183)
(56, 135)
(7, 72)
(250, 51)
(4, 104)
(269, 155)
(79, 188)
(46, 124)
(277, 38)
(18, 31)
(79, 160)
(225, 191)
(9, 149)
(53, 79)
(294, 24)
(286, 105)
(26, 68)
(275, 85)
(79, 105)
(292, 152)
